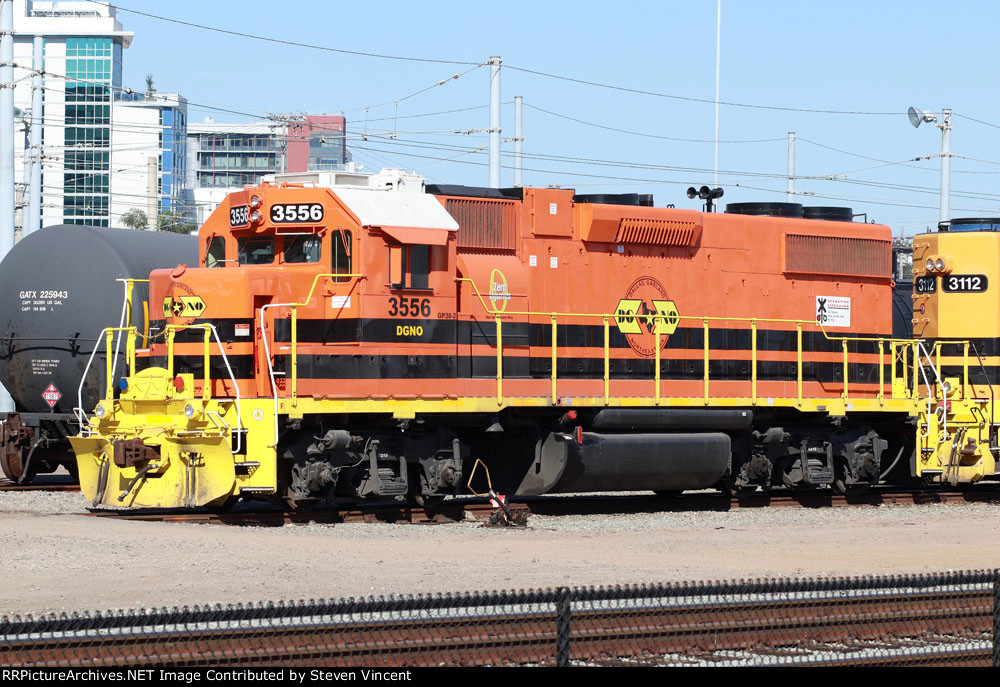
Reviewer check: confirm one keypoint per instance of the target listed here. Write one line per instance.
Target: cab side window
(215, 256)
(341, 259)
(409, 266)
(301, 249)
(256, 250)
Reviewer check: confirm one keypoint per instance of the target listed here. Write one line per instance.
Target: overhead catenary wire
(298, 44)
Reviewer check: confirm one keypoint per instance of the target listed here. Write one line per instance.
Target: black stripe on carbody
(361, 366)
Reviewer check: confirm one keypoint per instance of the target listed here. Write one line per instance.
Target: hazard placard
(51, 395)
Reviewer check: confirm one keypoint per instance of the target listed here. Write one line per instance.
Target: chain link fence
(945, 620)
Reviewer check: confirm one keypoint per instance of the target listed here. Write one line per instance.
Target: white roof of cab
(389, 208)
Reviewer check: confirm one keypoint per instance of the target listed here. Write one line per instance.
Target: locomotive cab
(956, 311)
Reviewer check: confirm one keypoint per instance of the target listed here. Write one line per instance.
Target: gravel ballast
(56, 559)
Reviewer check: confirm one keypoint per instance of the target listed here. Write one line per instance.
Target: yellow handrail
(901, 344)
(294, 317)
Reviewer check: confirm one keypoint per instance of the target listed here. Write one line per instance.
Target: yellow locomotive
(956, 316)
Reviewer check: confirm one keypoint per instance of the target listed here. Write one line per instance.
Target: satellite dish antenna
(918, 116)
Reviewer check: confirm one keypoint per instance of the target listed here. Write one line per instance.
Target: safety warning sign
(51, 395)
(833, 311)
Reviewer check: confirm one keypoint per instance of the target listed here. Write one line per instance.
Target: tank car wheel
(12, 468)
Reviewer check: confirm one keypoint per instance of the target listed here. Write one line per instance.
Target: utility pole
(718, 54)
(33, 211)
(918, 117)
(6, 146)
(945, 214)
(495, 63)
(791, 166)
(518, 139)
(152, 197)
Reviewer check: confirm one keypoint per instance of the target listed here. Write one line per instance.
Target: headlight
(930, 265)
(939, 264)
(189, 410)
(255, 216)
(99, 411)
(255, 201)
(946, 388)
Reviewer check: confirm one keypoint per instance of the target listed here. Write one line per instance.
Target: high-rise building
(83, 44)
(224, 157)
(148, 154)
(317, 143)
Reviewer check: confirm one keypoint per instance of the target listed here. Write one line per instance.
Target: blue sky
(868, 57)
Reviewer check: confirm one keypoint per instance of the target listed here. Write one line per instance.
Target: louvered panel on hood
(837, 255)
(657, 232)
(484, 225)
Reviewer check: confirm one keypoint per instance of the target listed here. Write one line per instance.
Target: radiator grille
(485, 225)
(656, 231)
(837, 255)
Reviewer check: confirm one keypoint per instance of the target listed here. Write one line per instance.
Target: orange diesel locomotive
(361, 336)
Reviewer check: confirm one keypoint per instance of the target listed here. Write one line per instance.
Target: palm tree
(135, 219)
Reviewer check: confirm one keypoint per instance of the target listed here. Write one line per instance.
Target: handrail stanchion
(844, 342)
(798, 348)
(881, 372)
(499, 362)
(659, 320)
(206, 392)
(133, 333)
(705, 337)
(753, 361)
(892, 370)
(607, 361)
(110, 361)
(965, 369)
(170, 351)
(295, 355)
(554, 332)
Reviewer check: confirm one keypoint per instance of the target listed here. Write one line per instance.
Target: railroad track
(939, 627)
(459, 509)
(7, 485)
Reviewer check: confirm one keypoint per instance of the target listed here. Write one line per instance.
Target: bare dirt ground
(55, 559)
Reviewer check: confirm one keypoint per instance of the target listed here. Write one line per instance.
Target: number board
(297, 213)
(964, 283)
(925, 285)
(239, 215)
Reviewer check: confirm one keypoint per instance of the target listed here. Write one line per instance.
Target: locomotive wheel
(428, 502)
(226, 505)
(728, 487)
(841, 486)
